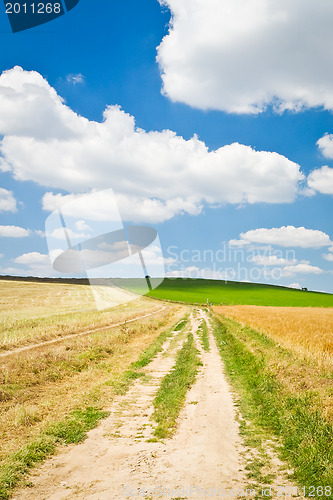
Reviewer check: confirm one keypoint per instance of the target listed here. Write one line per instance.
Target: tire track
(81, 334)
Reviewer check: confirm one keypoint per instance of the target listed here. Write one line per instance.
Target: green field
(231, 292)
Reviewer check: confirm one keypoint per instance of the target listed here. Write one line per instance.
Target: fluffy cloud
(13, 232)
(295, 285)
(238, 243)
(325, 145)
(286, 236)
(321, 180)
(30, 264)
(11, 271)
(238, 272)
(301, 269)
(131, 208)
(277, 273)
(155, 174)
(7, 201)
(81, 225)
(30, 108)
(33, 264)
(241, 55)
(59, 234)
(32, 258)
(271, 260)
(328, 256)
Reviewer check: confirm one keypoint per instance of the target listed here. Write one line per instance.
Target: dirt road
(117, 462)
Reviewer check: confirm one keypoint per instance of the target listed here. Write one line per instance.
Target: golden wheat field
(305, 330)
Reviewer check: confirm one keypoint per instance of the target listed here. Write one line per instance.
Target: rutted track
(120, 459)
(81, 334)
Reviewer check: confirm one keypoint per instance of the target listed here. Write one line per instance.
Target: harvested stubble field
(32, 312)
(306, 331)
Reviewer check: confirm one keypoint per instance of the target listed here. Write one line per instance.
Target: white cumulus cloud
(7, 201)
(241, 55)
(32, 258)
(325, 145)
(321, 180)
(32, 264)
(131, 208)
(13, 232)
(328, 256)
(301, 269)
(295, 285)
(271, 260)
(61, 234)
(286, 236)
(81, 225)
(156, 175)
(239, 243)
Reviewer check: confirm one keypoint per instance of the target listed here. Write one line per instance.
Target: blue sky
(245, 95)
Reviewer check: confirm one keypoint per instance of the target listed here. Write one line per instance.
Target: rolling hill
(231, 292)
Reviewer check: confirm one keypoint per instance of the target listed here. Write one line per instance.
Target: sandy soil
(117, 462)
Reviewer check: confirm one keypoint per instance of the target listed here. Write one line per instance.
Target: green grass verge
(71, 430)
(197, 291)
(171, 394)
(203, 333)
(74, 428)
(306, 438)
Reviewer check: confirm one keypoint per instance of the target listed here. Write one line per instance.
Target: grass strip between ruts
(156, 346)
(121, 384)
(172, 392)
(203, 333)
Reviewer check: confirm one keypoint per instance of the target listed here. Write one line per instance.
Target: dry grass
(305, 331)
(46, 383)
(36, 312)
